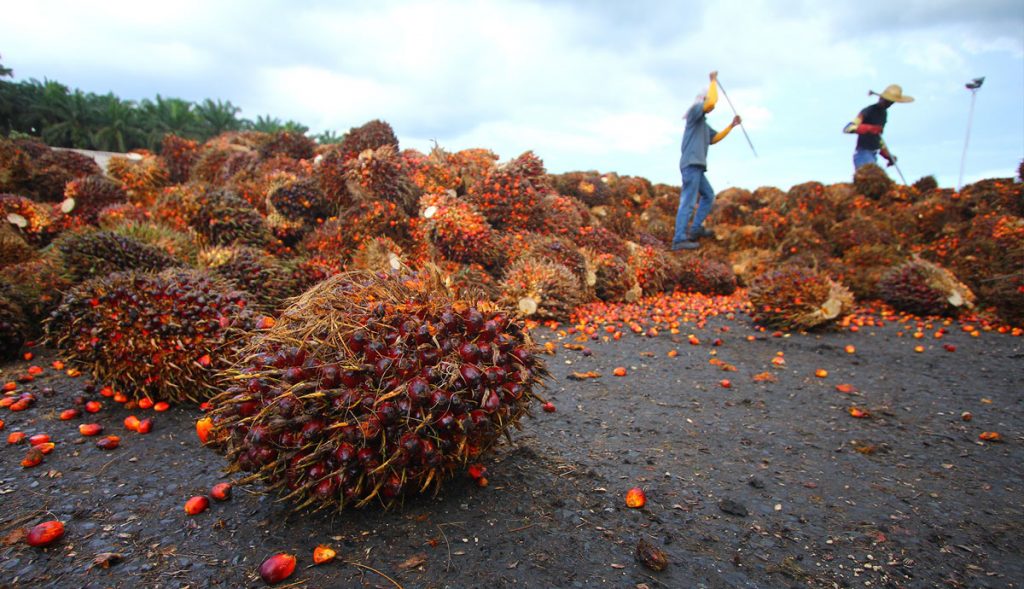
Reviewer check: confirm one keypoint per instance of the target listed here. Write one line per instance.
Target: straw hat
(894, 93)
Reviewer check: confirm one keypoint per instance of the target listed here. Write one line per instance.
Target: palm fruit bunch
(366, 220)
(749, 263)
(331, 172)
(801, 239)
(288, 143)
(614, 280)
(991, 245)
(559, 215)
(871, 181)
(458, 230)
(507, 195)
(40, 283)
(182, 244)
(928, 219)
(865, 265)
(379, 254)
(165, 336)
(732, 206)
(589, 187)
(254, 183)
(91, 253)
(381, 174)
(371, 387)
(13, 247)
(14, 325)
(222, 157)
(15, 167)
(221, 217)
(432, 172)
(922, 288)
(926, 184)
(371, 135)
(601, 240)
(630, 190)
(541, 289)
(617, 219)
(704, 275)
(656, 224)
(796, 297)
(561, 251)
(1006, 294)
(120, 213)
(468, 281)
(264, 277)
(180, 154)
(143, 176)
(35, 221)
(299, 200)
(652, 268)
(92, 193)
(472, 165)
(54, 168)
(996, 194)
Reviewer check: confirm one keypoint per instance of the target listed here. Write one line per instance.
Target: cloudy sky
(587, 85)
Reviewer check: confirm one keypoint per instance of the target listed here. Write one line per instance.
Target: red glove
(889, 157)
(866, 129)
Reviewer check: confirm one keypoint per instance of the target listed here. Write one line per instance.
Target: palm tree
(328, 137)
(217, 117)
(6, 72)
(119, 128)
(167, 115)
(64, 119)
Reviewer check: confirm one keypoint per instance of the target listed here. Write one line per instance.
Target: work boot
(702, 232)
(685, 245)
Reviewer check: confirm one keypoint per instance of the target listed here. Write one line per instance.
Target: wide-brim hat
(894, 93)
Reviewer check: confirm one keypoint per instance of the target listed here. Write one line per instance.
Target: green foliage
(64, 117)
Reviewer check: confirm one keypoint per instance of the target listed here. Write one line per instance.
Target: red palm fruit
(323, 554)
(277, 568)
(120, 397)
(131, 423)
(161, 406)
(107, 391)
(145, 403)
(549, 407)
(1, 424)
(20, 405)
(636, 497)
(67, 414)
(108, 442)
(196, 505)
(203, 427)
(93, 406)
(90, 429)
(15, 437)
(221, 491)
(45, 533)
(32, 458)
(46, 447)
(145, 426)
(38, 439)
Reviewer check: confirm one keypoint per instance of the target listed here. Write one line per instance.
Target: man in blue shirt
(693, 163)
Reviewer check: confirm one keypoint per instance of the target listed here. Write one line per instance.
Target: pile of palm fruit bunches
(184, 275)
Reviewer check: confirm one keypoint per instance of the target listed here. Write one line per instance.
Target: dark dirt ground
(932, 506)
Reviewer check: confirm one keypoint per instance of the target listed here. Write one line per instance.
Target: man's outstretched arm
(712, 97)
(721, 134)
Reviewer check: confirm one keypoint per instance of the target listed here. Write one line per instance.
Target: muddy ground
(764, 484)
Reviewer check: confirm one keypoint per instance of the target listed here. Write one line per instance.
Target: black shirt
(872, 115)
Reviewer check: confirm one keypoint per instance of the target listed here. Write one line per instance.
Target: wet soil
(762, 484)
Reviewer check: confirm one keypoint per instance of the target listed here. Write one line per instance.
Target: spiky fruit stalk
(159, 335)
(923, 288)
(370, 135)
(370, 386)
(794, 297)
(382, 174)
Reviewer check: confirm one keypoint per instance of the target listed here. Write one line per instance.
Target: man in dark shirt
(869, 125)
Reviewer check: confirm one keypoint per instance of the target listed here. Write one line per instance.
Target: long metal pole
(963, 158)
(742, 128)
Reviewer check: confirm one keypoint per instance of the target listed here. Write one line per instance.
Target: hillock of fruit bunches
(252, 219)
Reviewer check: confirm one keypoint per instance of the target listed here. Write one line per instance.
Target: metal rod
(897, 166)
(742, 127)
(963, 158)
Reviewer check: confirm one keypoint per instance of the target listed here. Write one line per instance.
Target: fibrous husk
(161, 335)
(371, 387)
(795, 297)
